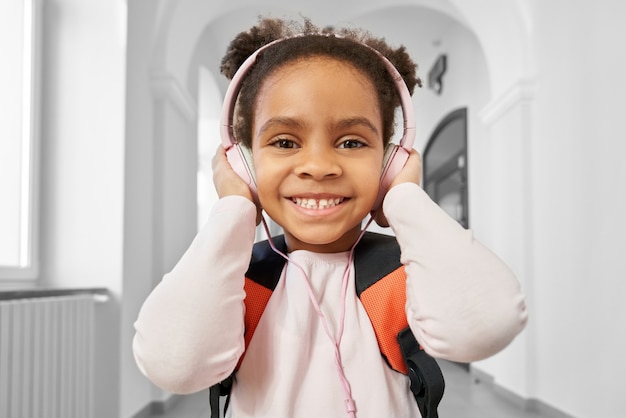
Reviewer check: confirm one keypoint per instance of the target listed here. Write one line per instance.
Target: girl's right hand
(226, 181)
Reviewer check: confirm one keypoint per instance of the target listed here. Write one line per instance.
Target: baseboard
(524, 404)
(158, 407)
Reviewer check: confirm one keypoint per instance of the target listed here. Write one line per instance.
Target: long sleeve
(463, 302)
(189, 331)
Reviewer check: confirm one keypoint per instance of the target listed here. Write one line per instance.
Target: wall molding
(165, 86)
(520, 92)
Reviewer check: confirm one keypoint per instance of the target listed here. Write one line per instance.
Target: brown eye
(351, 143)
(284, 143)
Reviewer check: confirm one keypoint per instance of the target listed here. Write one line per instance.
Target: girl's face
(317, 148)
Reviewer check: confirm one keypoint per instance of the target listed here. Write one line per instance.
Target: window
(19, 45)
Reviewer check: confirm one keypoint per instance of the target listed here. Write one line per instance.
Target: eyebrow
(299, 124)
(357, 121)
(282, 122)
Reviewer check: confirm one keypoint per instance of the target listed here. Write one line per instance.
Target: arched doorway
(445, 166)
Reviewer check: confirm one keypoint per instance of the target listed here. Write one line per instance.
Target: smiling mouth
(318, 204)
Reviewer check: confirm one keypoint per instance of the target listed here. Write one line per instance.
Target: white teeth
(317, 204)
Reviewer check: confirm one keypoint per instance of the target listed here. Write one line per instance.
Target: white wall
(579, 140)
(140, 210)
(82, 176)
(83, 142)
(556, 141)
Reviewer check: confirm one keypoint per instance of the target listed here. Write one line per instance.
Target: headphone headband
(230, 99)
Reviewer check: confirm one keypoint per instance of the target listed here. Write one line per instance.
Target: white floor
(464, 397)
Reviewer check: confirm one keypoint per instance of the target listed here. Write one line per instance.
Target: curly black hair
(306, 40)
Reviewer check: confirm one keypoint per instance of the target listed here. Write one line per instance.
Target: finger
(415, 161)
(412, 170)
(219, 157)
(227, 182)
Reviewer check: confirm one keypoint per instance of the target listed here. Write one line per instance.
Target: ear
(380, 218)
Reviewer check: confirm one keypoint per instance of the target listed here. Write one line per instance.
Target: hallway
(464, 397)
(111, 117)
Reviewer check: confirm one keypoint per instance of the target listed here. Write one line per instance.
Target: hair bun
(245, 43)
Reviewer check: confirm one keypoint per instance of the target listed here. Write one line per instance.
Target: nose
(319, 162)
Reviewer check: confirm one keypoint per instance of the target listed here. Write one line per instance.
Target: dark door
(445, 166)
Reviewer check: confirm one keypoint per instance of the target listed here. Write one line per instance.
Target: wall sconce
(435, 75)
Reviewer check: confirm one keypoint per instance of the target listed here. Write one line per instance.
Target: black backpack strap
(375, 256)
(215, 394)
(265, 265)
(427, 382)
(214, 401)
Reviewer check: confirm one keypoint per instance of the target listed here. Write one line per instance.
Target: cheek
(372, 185)
(265, 171)
(369, 179)
(268, 179)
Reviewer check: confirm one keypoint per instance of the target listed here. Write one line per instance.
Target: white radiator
(46, 357)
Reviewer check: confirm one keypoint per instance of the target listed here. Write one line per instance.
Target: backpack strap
(261, 279)
(427, 382)
(381, 286)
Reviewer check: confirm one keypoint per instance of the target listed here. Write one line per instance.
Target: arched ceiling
(414, 27)
(193, 32)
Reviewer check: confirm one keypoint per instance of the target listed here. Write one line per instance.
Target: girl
(316, 110)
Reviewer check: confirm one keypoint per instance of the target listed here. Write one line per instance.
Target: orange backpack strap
(381, 286)
(261, 279)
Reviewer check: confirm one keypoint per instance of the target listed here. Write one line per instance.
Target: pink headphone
(240, 157)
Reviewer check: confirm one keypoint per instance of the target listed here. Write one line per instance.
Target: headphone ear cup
(394, 159)
(390, 149)
(240, 159)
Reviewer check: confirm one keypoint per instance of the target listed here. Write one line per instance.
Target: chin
(318, 241)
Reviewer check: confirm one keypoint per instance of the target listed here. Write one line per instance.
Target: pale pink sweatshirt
(463, 304)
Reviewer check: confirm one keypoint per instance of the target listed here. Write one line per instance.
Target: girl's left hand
(410, 173)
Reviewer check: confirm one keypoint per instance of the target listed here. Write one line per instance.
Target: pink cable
(349, 401)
